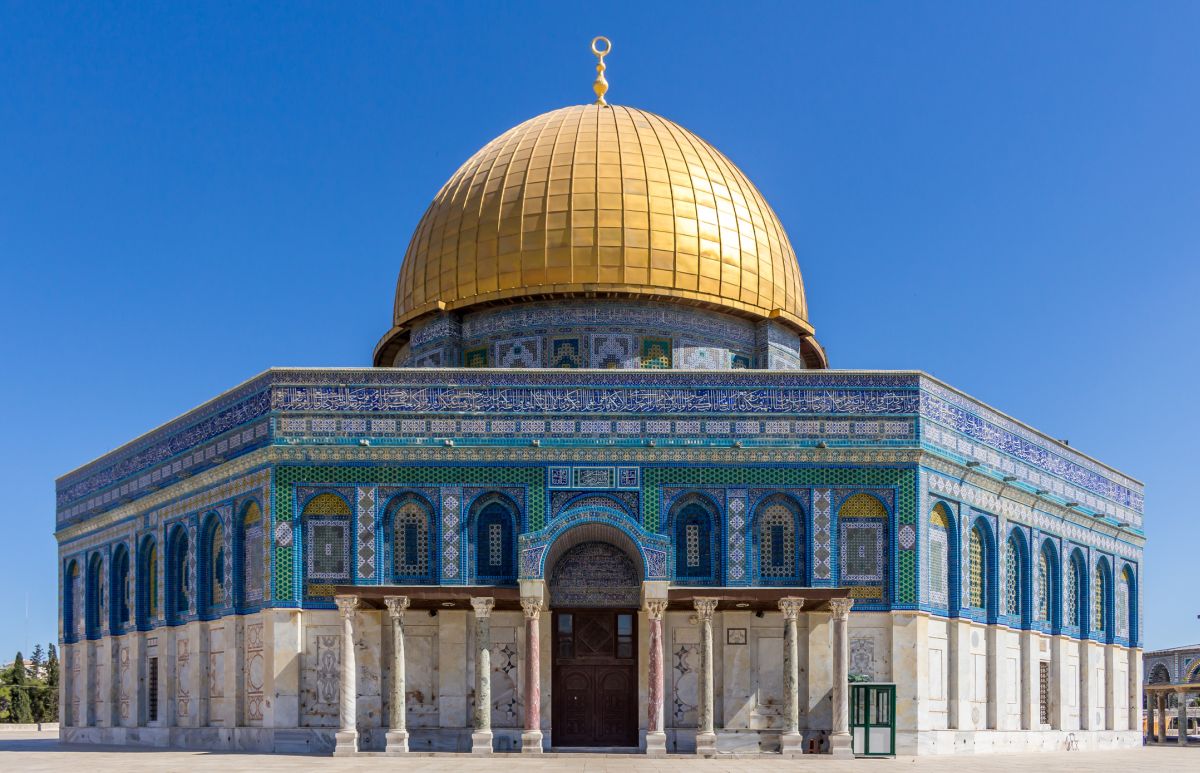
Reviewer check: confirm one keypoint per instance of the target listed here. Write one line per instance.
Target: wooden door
(594, 678)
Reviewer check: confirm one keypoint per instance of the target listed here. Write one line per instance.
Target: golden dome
(605, 201)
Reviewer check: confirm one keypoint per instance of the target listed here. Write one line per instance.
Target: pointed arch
(693, 526)
(493, 535)
(1016, 577)
(212, 557)
(1159, 674)
(982, 593)
(1102, 599)
(252, 533)
(778, 541)
(409, 519)
(71, 585)
(326, 518)
(1126, 612)
(1047, 602)
(120, 590)
(1075, 606)
(94, 596)
(147, 582)
(178, 573)
(941, 563)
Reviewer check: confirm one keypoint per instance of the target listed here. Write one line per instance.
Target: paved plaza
(42, 751)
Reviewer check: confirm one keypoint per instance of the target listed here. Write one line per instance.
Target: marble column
(397, 733)
(656, 736)
(347, 735)
(531, 737)
(791, 742)
(1182, 698)
(1161, 700)
(481, 738)
(840, 743)
(706, 737)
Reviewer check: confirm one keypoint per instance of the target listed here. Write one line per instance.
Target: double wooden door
(594, 678)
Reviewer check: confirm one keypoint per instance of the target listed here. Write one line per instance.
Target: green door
(873, 719)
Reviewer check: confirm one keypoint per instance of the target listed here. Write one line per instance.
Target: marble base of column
(345, 743)
(656, 744)
(396, 742)
(531, 742)
(791, 744)
(706, 744)
(481, 742)
(841, 746)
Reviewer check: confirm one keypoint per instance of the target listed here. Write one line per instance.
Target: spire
(601, 85)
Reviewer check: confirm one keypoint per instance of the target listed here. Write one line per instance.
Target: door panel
(594, 678)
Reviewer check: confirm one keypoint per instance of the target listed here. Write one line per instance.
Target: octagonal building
(599, 490)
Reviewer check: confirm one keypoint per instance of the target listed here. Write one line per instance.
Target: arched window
(1075, 610)
(863, 541)
(71, 585)
(494, 548)
(695, 541)
(1100, 599)
(1126, 612)
(1013, 577)
(147, 582)
(95, 595)
(327, 524)
(253, 573)
(179, 580)
(939, 555)
(411, 518)
(1160, 675)
(1045, 584)
(212, 570)
(977, 568)
(119, 586)
(779, 539)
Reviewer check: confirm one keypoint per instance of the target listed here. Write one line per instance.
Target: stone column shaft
(656, 737)
(481, 738)
(791, 742)
(397, 734)
(706, 737)
(531, 737)
(347, 734)
(840, 743)
(1182, 698)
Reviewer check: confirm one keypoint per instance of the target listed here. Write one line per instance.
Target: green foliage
(31, 697)
(52, 667)
(19, 675)
(22, 705)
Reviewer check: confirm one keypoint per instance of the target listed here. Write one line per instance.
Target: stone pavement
(26, 751)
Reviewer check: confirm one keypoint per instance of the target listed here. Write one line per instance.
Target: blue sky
(1006, 196)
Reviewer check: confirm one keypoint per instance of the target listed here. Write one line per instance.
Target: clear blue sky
(1005, 196)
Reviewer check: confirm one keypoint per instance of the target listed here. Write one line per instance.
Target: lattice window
(410, 537)
(327, 517)
(1122, 611)
(216, 566)
(253, 564)
(1098, 594)
(494, 543)
(71, 602)
(693, 541)
(777, 541)
(1044, 692)
(152, 581)
(1012, 578)
(178, 575)
(977, 577)
(1072, 599)
(120, 589)
(939, 555)
(1043, 587)
(863, 523)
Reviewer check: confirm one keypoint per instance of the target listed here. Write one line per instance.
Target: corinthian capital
(346, 604)
(705, 607)
(841, 608)
(396, 606)
(483, 606)
(790, 606)
(655, 608)
(531, 606)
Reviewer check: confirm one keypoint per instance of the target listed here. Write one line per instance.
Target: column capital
(790, 606)
(483, 606)
(705, 607)
(346, 604)
(655, 608)
(841, 608)
(531, 606)
(396, 606)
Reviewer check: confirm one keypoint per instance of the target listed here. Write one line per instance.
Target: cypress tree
(18, 670)
(52, 666)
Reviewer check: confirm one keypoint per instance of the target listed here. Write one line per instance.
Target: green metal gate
(873, 719)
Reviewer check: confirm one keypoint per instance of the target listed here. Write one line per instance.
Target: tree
(36, 659)
(22, 706)
(52, 667)
(19, 675)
